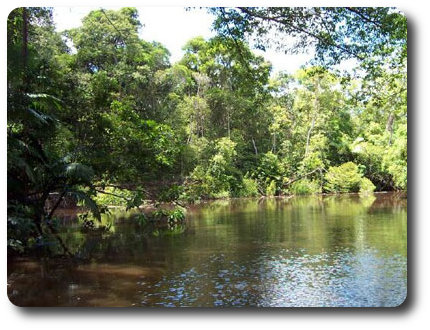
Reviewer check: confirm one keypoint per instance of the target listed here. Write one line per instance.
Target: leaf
(40, 117)
(27, 168)
(87, 201)
(79, 172)
(46, 97)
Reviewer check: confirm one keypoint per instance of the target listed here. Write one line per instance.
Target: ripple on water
(343, 278)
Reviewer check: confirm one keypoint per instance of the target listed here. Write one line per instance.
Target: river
(313, 251)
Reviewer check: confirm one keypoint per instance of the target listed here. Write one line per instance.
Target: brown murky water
(304, 251)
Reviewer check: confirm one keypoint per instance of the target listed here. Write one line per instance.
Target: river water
(328, 251)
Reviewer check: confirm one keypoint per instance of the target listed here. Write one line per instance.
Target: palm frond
(40, 117)
(87, 201)
(46, 98)
(78, 173)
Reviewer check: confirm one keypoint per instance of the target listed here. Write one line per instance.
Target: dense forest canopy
(113, 116)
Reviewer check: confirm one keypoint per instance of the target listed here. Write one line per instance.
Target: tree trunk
(255, 147)
(274, 143)
(24, 50)
(228, 124)
(389, 126)
(320, 170)
(314, 115)
(308, 139)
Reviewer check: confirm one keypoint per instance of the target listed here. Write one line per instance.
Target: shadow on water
(329, 251)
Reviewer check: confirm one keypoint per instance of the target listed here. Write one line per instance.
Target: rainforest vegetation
(99, 116)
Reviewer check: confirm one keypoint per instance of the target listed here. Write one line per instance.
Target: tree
(96, 109)
(311, 121)
(123, 84)
(233, 83)
(373, 36)
(380, 115)
(37, 163)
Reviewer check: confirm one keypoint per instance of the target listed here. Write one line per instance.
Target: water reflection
(307, 251)
(289, 280)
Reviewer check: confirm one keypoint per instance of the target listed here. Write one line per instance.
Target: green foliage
(213, 125)
(20, 228)
(141, 219)
(343, 178)
(171, 193)
(304, 187)
(374, 36)
(221, 173)
(268, 173)
(88, 225)
(395, 159)
(271, 188)
(197, 187)
(176, 215)
(168, 222)
(114, 196)
(249, 188)
(346, 178)
(366, 186)
(269, 167)
(221, 194)
(220, 177)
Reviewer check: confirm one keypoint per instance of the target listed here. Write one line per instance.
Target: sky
(173, 27)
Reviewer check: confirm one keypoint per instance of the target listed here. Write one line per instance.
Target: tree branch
(112, 194)
(51, 213)
(319, 169)
(365, 18)
(282, 20)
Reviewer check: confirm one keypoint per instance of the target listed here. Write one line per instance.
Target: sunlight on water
(339, 279)
(301, 252)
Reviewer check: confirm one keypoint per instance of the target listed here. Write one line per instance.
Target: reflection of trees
(251, 226)
(227, 243)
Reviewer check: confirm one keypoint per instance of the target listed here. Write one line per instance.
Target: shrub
(177, 215)
(271, 188)
(366, 186)
(269, 168)
(21, 228)
(219, 178)
(169, 194)
(197, 186)
(141, 219)
(343, 178)
(305, 186)
(221, 194)
(113, 197)
(249, 188)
